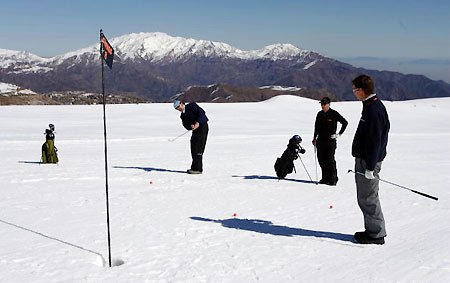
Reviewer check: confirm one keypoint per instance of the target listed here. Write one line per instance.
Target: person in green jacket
(49, 151)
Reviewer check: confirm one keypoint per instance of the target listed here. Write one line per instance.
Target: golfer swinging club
(194, 118)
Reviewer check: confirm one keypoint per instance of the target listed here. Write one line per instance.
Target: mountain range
(156, 66)
(434, 68)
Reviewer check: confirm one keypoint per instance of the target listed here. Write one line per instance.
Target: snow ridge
(159, 47)
(156, 47)
(10, 89)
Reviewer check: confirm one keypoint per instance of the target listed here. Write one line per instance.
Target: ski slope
(234, 223)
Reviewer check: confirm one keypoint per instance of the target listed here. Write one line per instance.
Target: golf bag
(285, 164)
(49, 150)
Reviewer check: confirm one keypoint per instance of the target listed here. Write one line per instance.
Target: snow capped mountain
(156, 66)
(280, 52)
(22, 61)
(91, 53)
(156, 47)
(7, 57)
(10, 89)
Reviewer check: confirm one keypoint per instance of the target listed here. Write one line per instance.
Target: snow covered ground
(167, 226)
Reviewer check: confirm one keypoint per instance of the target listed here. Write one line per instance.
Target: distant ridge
(16, 95)
(221, 93)
(156, 66)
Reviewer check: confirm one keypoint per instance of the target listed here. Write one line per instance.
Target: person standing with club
(194, 118)
(325, 138)
(369, 149)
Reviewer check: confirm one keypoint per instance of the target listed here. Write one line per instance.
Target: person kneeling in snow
(194, 118)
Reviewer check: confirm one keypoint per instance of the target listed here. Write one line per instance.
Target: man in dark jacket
(369, 150)
(325, 140)
(194, 118)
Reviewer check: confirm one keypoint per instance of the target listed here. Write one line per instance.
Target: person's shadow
(150, 169)
(259, 177)
(267, 227)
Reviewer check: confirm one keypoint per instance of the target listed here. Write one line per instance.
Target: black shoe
(332, 183)
(322, 182)
(363, 238)
(190, 171)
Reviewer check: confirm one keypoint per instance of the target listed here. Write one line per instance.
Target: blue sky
(397, 28)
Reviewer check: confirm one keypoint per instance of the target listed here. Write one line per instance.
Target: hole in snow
(117, 262)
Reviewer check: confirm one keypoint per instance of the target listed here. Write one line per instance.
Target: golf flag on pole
(107, 54)
(106, 50)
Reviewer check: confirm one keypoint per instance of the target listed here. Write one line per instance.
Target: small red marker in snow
(234, 214)
(331, 206)
(151, 182)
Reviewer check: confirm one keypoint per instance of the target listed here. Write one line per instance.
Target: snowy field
(234, 223)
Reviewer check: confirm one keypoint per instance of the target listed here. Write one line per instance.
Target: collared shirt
(370, 96)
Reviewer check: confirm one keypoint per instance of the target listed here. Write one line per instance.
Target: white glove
(369, 175)
(335, 136)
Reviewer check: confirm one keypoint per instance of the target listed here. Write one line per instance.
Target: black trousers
(325, 155)
(198, 144)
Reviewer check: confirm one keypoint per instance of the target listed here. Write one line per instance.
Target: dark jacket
(371, 137)
(192, 114)
(326, 124)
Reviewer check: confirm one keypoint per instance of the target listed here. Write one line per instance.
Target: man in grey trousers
(369, 150)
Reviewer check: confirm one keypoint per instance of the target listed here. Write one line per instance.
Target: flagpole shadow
(260, 177)
(150, 169)
(267, 227)
(55, 239)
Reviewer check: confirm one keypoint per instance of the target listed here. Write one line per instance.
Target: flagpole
(106, 151)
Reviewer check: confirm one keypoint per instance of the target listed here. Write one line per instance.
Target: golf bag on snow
(285, 164)
(49, 150)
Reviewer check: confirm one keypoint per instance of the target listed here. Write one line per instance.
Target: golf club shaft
(315, 160)
(305, 169)
(171, 140)
(394, 184)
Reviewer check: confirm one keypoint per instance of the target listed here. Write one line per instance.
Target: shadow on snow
(150, 169)
(55, 239)
(253, 177)
(267, 227)
(33, 162)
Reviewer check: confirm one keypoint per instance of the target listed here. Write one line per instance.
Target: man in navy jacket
(194, 118)
(369, 150)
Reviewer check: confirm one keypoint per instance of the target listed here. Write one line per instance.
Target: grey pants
(368, 201)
